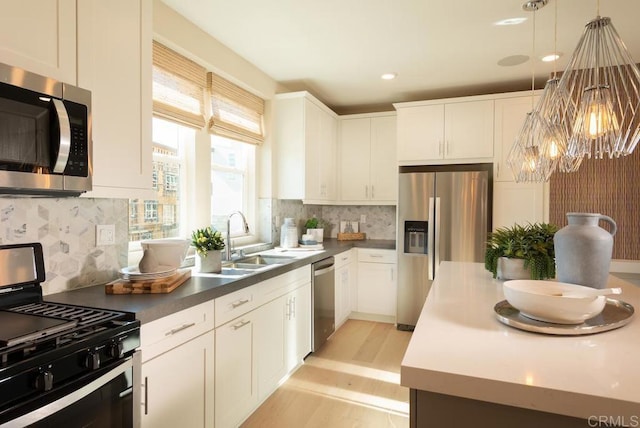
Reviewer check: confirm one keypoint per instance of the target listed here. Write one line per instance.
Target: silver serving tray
(615, 314)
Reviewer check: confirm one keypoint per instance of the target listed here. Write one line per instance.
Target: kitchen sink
(258, 261)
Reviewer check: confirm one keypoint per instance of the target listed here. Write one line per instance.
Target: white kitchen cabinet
(267, 339)
(270, 348)
(235, 374)
(177, 369)
(520, 203)
(179, 386)
(459, 129)
(377, 282)
(305, 135)
(40, 36)
(344, 282)
(510, 114)
(368, 169)
(114, 63)
(298, 336)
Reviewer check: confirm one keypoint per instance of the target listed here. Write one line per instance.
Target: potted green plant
(315, 228)
(521, 252)
(209, 244)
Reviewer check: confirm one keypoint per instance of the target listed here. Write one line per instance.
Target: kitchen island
(465, 368)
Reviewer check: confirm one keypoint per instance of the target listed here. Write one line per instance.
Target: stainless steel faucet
(246, 230)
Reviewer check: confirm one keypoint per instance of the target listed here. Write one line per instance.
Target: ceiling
(338, 49)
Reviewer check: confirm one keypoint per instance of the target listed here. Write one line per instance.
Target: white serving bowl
(169, 253)
(540, 300)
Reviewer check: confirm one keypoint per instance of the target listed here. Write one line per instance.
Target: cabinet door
(40, 36)
(377, 288)
(114, 62)
(469, 130)
(420, 133)
(234, 371)
(343, 293)
(327, 156)
(510, 114)
(299, 326)
(520, 203)
(384, 167)
(178, 386)
(313, 150)
(355, 147)
(270, 328)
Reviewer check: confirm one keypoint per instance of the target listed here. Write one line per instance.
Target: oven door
(111, 400)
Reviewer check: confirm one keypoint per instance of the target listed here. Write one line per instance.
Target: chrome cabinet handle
(373, 192)
(375, 256)
(239, 303)
(240, 324)
(146, 395)
(179, 329)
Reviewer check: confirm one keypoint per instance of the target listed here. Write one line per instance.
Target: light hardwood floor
(352, 381)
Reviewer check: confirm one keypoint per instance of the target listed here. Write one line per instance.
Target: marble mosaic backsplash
(66, 229)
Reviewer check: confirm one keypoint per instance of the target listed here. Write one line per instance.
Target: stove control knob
(44, 381)
(115, 350)
(92, 361)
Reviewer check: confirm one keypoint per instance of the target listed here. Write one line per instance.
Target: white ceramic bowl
(169, 253)
(540, 300)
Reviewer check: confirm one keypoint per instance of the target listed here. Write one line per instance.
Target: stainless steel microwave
(45, 135)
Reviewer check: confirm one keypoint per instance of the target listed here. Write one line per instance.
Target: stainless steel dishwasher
(323, 295)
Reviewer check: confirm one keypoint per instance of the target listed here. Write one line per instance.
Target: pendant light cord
(533, 55)
(555, 37)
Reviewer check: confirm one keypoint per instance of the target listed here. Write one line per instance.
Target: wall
(66, 229)
(381, 220)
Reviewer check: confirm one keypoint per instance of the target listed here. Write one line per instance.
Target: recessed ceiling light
(389, 76)
(510, 61)
(510, 21)
(551, 57)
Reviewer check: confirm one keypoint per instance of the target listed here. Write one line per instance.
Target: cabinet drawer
(376, 256)
(343, 258)
(166, 333)
(235, 304)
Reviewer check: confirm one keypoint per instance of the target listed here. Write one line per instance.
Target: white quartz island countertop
(459, 348)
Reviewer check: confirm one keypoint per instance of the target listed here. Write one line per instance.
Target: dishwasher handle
(323, 266)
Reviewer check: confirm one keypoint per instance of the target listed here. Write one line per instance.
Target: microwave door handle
(65, 137)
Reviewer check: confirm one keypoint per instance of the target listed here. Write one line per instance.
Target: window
(161, 218)
(232, 164)
(150, 211)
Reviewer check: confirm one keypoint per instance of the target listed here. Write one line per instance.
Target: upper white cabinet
(367, 158)
(446, 130)
(510, 114)
(305, 135)
(114, 62)
(40, 36)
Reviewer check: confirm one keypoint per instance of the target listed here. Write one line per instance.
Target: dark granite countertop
(196, 290)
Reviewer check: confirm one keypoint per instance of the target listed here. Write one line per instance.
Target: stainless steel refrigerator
(444, 214)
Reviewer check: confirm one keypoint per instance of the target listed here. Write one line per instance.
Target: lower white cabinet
(345, 284)
(377, 282)
(177, 369)
(235, 376)
(178, 386)
(256, 350)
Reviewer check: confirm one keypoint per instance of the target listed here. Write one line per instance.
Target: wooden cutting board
(152, 286)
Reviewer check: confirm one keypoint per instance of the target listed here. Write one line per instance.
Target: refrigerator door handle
(430, 240)
(436, 244)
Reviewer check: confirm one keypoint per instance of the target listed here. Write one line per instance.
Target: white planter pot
(317, 234)
(211, 263)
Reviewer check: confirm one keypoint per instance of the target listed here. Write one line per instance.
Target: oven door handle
(55, 406)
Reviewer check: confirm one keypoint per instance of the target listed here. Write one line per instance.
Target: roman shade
(236, 113)
(179, 86)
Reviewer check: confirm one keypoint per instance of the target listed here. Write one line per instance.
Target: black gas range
(59, 363)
